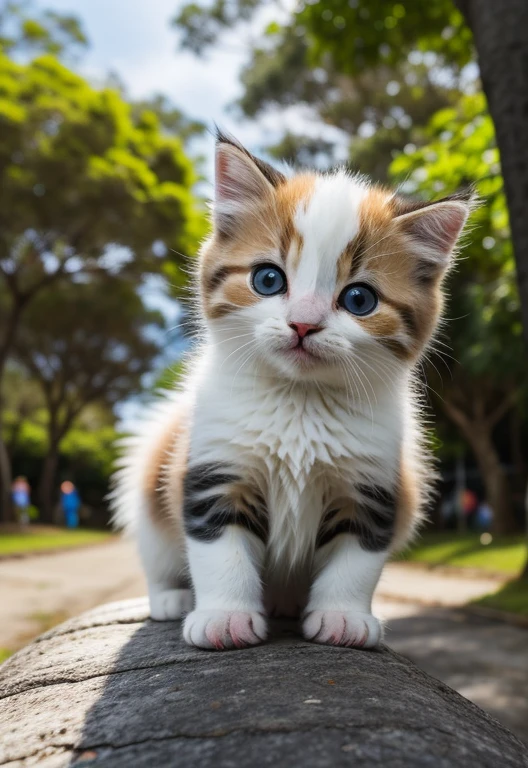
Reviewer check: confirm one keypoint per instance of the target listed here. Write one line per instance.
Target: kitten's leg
(339, 609)
(164, 562)
(225, 573)
(353, 546)
(225, 547)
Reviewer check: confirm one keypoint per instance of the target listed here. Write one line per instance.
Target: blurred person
(20, 493)
(70, 504)
(469, 506)
(484, 516)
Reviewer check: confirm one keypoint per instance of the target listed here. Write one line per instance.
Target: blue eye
(358, 299)
(268, 280)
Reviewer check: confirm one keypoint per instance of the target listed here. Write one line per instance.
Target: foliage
(512, 598)
(24, 29)
(93, 188)
(85, 343)
(81, 174)
(171, 119)
(505, 554)
(40, 539)
(357, 34)
(169, 377)
(360, 35)
(460, 150)
(203, 24)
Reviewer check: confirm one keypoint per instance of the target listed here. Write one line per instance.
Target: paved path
(485, 660)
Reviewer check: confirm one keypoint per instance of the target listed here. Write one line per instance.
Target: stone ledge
(111, 688)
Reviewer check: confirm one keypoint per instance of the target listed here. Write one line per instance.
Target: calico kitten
(291, 463)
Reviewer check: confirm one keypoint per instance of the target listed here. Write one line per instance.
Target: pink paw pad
(222, 630)
(343, 628)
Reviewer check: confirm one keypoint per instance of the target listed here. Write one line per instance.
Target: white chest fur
(302, 445)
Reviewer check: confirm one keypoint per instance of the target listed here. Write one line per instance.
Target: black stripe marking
(395, 346)
(221, 274)
(409, 319)
(206, 518)
(205, 477)
(373, 521)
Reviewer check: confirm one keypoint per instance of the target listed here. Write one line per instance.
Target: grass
(504, 555)
(5, 653)
(40, 538)
(512, 597)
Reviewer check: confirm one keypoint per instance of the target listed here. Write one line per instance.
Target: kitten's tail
(142, 455)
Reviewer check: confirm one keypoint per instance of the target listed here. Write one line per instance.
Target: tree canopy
(97, 194)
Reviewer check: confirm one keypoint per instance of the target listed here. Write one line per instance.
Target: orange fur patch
(410, 498)
(383, 256)
(268, 227)
(166, 463)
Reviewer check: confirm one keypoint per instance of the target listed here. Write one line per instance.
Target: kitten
(291, 464)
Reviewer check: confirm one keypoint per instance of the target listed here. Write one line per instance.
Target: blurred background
(106, 112)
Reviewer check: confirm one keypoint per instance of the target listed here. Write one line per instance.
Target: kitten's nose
(304, 329)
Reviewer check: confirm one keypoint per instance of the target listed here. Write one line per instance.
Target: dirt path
(38, 592)
(485, 660)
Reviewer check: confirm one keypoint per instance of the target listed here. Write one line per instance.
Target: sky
(135, 40)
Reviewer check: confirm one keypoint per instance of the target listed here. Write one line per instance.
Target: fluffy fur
(291, 464)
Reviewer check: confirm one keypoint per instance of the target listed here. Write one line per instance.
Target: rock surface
(112, 689)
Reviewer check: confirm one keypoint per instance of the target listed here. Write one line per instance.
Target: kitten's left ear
(434, 227)
(242, 183)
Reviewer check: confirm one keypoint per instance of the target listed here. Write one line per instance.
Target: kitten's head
(321, 275)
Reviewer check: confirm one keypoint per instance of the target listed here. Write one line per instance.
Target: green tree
(90, 185)
(27, 30)
(84, 343)
(488, 376)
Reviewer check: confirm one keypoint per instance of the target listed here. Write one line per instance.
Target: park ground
(484, 659)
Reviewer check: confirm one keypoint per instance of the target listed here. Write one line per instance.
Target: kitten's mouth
(300, 354)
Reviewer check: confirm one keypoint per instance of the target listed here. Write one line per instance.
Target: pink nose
(304, 329)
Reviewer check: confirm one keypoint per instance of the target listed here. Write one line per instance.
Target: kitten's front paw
(350, 628)
(220, 630)
(169, 604)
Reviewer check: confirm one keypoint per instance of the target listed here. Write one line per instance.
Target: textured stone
(112, 689)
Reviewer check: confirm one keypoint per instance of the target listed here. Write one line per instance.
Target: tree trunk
(47, 484)
(478, 433)
(524, 573)
(8, 339)
(494, 478)
(500, 32)
(6, 512)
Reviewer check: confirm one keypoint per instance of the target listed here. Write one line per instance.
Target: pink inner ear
(223, 181)
(438, 226)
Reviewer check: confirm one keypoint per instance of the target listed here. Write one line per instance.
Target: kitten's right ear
(241, 181)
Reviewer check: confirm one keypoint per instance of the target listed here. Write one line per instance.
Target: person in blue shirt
(70, 503)
(20, 493)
